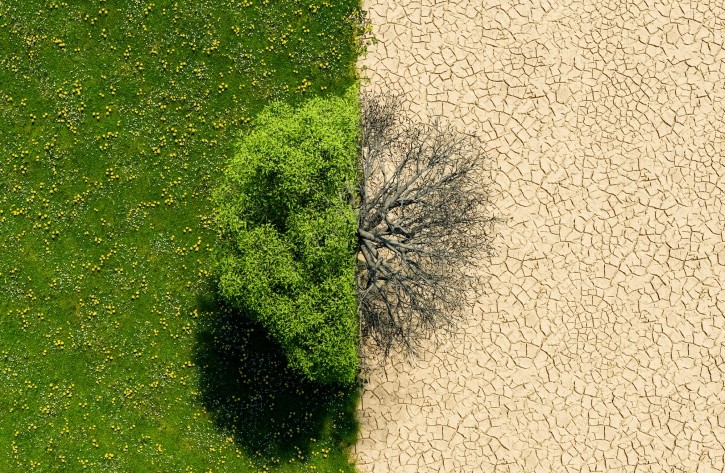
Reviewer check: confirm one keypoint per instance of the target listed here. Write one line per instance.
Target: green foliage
(288, 233)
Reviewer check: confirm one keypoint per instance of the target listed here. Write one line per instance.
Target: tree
(422, 225)
(287, 233)
(343, 215)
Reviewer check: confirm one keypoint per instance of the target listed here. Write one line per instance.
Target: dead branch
(423, 226)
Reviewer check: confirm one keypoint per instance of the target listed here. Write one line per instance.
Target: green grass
(116, 120)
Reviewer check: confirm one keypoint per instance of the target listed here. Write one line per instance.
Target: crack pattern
(599, 344)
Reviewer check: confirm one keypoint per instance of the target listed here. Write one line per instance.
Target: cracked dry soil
(599, 345)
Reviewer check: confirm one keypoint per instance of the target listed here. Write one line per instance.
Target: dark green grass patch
(116, 120)
(268, 408)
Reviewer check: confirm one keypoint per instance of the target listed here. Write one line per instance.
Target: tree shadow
(271, 412)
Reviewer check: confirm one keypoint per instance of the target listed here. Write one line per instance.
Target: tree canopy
(288, 244)
(343, 218)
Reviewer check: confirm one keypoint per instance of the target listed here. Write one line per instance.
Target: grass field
(116, 119)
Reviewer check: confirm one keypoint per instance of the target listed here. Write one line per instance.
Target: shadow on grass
(271, 412)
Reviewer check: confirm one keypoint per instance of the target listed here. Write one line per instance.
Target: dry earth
(600, 343)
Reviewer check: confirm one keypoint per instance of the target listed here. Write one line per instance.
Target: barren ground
(599, 344)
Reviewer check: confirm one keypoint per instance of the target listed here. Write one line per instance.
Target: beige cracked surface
(599, 346)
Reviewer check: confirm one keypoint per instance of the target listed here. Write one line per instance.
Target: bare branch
(422, 223)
